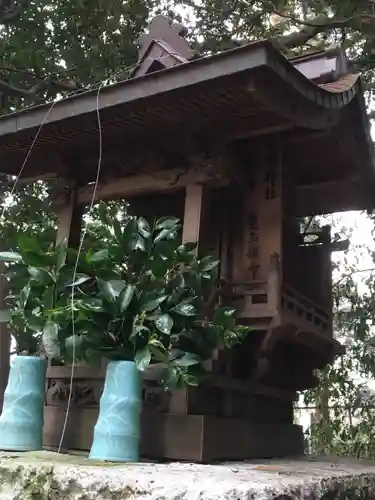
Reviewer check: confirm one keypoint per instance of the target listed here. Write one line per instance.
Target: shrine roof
(230, 63)
(236, 93)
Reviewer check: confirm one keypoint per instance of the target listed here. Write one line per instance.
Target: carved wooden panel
(86, 392)
(155, 399)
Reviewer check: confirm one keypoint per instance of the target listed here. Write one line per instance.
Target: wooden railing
(265, 299)
(305, 309)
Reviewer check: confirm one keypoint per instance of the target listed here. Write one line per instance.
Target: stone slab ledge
(46, 475)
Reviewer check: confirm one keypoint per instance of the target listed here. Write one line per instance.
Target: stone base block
(195, 438)
(45, 475)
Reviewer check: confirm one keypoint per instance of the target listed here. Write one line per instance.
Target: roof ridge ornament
(163, 29)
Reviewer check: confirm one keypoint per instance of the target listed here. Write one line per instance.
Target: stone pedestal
(46, 475)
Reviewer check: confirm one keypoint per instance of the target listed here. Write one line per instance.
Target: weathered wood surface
(183, 437)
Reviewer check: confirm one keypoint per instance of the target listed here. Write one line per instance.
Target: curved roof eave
(242, 60)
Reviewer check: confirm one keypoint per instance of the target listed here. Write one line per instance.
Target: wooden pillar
(194, 194)
(69, 226)
(69, 219)
(192, 226)
(5, 340)
(270, 197)
(260, 214)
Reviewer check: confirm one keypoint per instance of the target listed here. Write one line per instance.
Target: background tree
(51, 46)
(344, 426)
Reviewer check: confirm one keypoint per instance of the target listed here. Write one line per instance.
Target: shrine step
(195, 438)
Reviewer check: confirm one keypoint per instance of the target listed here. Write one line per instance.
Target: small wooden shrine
(239, 145)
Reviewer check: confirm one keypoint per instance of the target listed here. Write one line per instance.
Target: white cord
(84, 232)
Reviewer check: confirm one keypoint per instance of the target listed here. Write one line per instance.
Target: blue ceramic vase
(117, 431)
(21, 422)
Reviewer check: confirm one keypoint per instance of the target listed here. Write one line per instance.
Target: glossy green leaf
(193, 281)
(48, 298)
(35, 323)
(187, 359)
(142, 359)
(125, 297)
(153, 303)
(24, 295)
(80, 279)
(100, 255)
(177, 282)
(117, 285)
(176, 288)
(130, 231)
(103, 214)
(167, 223)
(40, 275)
(117, 229)
(73, 342)
(165, 250)
(137, 243)
(158, 267)
(164, 323)
(110, 289)
(196, 374)
(225, 316)
(208, 264)
(28, 243)
(61, 253)
(165, 234)
(38, 260)
(144, 227)
(138, 331)
(169, 378)
(184, 309)
(10, 257)
(50, 340)
(158, 351)
(189, 247)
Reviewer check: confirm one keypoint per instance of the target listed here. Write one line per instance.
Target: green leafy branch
(141, 295)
